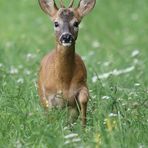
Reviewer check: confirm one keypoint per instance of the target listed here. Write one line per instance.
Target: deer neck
(64, 64)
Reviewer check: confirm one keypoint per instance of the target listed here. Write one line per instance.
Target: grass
(113, 36)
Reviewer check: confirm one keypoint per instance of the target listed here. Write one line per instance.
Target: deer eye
(76, 24)
(56, 24)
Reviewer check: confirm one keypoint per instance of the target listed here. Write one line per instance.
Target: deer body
(63, 77)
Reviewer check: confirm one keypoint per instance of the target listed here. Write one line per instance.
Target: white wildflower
(66, 128)
(13, 70)
(93, 97)
(141, 146)
(1, 65)
(76, 140)
(91, 53)
(112, 115)
(20, 66)
(20, 81)
(105, 75)
(72, 141)
(136, 61)
(67, 142)
(123, 71)
(128, 109)
(94, 79)
(30, 114)
(18, 144)
(8, 44)
(99, 63)
(104, 122)
(95, 44)
(106, 63)
(115, 72)
(27, 72)
(72, 124)
(123, 104)
(120, 99)
(72, 135)
(135, 53)
(105, 97)
(90, 90)
(137, 84)
(30, 56)
(71, 138)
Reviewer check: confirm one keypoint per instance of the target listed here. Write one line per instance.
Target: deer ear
(85, 6)
(48, 6)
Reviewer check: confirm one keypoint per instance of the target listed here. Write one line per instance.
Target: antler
(71, 3)
(48, 6)
(62, 4)
(79, 3)
(55, 5)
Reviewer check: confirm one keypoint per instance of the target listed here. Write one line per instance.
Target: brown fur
(63, 77)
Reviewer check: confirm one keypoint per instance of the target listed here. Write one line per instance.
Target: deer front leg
(47, 101)
(83, 99)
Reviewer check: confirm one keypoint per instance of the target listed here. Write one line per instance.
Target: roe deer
(63, 77)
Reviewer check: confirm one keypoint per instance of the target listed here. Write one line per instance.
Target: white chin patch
(66, 44)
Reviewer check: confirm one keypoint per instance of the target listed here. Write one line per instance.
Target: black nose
(66, 38)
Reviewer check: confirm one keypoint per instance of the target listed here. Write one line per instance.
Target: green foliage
(113, 44)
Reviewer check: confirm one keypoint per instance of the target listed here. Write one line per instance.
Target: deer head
(66, 20)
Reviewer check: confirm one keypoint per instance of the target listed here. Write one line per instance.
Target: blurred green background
(113, 43)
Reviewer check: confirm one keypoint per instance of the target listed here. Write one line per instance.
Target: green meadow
(113, 42)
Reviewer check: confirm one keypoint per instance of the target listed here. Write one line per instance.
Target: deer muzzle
(66, 39)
